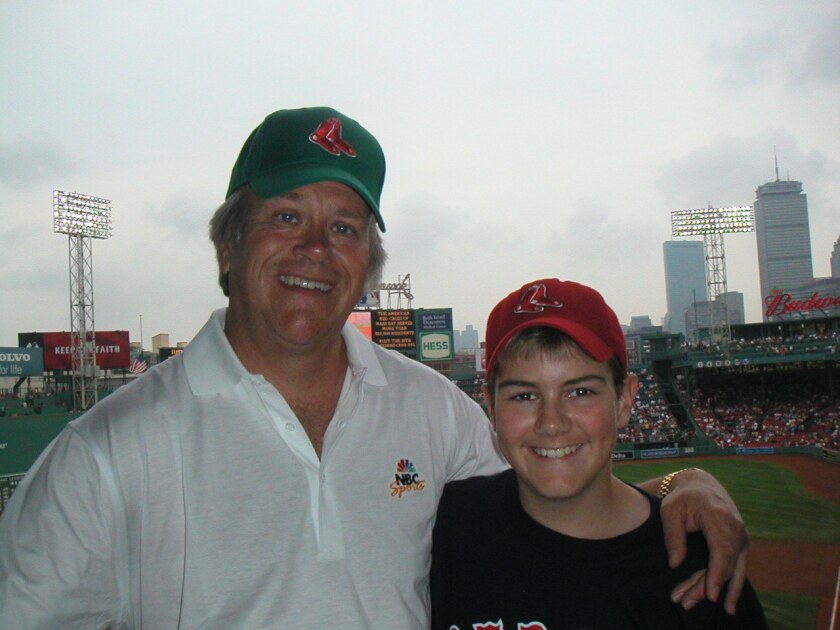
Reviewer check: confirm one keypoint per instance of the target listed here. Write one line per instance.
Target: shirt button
(290, 426)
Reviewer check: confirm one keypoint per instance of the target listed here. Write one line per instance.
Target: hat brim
(287, 179)
(589, 342)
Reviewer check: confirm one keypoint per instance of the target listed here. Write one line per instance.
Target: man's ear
(224, 258)
(627, 399)
(225, 252)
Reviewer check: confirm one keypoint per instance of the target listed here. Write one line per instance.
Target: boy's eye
(580, 391)
(524, 396)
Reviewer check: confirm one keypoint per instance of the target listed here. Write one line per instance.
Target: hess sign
(436, 346)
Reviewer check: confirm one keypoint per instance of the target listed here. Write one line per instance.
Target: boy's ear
(627, 399)
(488, 400)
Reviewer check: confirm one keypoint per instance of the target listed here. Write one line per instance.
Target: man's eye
(343, 228)
(580, 391)
(285, 217)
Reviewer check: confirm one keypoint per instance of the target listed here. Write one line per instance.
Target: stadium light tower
(712, 223)
(83, 218)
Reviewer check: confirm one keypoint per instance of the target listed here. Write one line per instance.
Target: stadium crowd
(812, 342)
(784, 408)
(651, 420)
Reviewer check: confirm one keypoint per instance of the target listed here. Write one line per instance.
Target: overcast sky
(524, 139)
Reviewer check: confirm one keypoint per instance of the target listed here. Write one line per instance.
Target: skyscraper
(685, 281)
(783, 237)
(466, 339)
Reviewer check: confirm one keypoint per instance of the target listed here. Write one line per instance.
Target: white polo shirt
(193, 498)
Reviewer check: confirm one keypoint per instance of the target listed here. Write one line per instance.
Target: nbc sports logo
(406, 479)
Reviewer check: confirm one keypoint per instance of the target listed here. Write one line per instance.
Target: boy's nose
(552, 420)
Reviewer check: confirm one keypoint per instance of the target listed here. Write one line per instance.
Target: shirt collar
(361, 354)
(209, 360)
(212, 366)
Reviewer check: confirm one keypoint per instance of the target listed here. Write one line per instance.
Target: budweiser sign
(784, 304)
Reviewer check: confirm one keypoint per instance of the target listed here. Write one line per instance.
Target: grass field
(772, 499)
(775, 506)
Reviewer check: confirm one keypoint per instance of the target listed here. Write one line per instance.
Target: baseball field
(791, 505)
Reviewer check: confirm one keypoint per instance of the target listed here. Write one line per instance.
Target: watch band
(665, 486)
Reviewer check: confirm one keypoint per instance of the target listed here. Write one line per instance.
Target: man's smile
(303, 283)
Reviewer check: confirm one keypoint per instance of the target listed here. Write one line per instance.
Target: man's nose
(314, 243)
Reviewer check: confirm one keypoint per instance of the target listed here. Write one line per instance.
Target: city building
(160, 341)
(466, 339)
(685, 281)
(640, 321)
(835, 259)
(734, 304)
(699, 317)
(640, 325)
(783, 237)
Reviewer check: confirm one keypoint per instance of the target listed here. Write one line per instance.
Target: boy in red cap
(559, 541)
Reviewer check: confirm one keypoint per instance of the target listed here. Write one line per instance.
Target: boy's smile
(556, 452)
(556, 416)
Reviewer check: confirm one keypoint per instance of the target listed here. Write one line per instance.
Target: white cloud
(33, 160)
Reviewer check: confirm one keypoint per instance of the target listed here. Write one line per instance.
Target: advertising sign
(394, 329)
(8, 483)
(18, 362)
(435, 334)
(112, 348)
(651, 453)
(785, 304)
(369, 300)
(168, 353)
(434, 319)
(361, 320)
(436, 346)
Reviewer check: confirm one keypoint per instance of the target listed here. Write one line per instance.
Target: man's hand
(698, 502)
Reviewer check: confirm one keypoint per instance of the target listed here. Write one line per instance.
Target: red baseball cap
(577, 310)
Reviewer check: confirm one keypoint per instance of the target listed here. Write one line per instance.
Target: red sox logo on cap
(328, 137)
(534, 300)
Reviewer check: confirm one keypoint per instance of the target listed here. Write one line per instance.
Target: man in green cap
(283, 471)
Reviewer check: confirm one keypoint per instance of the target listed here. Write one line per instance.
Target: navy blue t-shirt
(494, 567)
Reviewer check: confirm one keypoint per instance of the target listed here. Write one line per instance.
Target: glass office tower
(685, 281)
(783, 237)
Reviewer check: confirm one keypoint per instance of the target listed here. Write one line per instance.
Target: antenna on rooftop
(776, 158)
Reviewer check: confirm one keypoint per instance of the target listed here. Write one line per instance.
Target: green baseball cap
(297, 147)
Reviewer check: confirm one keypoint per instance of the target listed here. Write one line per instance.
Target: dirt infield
(795, 567)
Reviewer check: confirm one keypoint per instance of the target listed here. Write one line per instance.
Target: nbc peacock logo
(406, 479)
